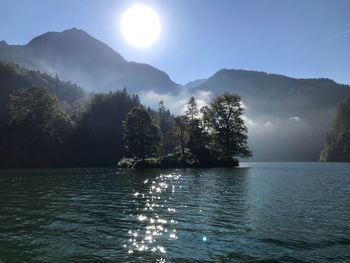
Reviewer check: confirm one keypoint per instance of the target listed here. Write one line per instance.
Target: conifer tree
(141, 135)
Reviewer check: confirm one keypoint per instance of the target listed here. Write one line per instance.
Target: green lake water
(260, 212)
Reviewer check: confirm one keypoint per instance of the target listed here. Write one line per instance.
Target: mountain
(288, 118)
(337, 148)
(13, 77)
(277, 95)
(76, 56)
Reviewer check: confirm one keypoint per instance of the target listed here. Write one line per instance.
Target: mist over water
(257, 213)
(276, 133)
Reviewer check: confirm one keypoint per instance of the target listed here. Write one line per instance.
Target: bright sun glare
(140, 26)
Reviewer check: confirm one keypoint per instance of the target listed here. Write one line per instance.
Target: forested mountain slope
(337, 148)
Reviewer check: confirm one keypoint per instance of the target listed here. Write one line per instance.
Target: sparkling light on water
(153, 230)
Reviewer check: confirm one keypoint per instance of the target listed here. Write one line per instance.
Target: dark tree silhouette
(192, 109)
(197, 135)
(165, 121)
(38, 127)
(98, 137)
(223, 118)
(181, 131)
(141, 135)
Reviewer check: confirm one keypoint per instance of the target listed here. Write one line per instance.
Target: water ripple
(264, 213)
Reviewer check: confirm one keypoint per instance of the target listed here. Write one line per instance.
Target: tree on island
(198, 137)
(223, 119)
(213, 137)
(166, 123)
(141, 135)
(181, 132)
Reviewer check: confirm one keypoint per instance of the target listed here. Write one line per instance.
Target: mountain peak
(73, 42)
(69, 35)
(75, 55)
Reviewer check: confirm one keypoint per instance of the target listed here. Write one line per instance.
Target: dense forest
(337, 148)
(40, 131)
(45, 122)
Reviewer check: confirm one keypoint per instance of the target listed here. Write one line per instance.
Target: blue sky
(298, 38)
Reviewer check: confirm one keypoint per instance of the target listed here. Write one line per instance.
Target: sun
(140, 25)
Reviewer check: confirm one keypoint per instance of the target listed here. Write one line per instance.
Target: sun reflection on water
(153, 231)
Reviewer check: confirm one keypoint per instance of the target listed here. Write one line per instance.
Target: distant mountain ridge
(259, 87)
(288, 118)
(76, 56)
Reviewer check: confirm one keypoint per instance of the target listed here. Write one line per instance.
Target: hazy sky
(298, 38)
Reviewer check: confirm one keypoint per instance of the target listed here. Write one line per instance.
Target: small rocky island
(214, 136)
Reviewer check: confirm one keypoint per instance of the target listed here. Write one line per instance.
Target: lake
(260, 212)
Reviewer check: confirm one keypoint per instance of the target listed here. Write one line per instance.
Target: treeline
(211, 136)
(40, 131)
(45, 122)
